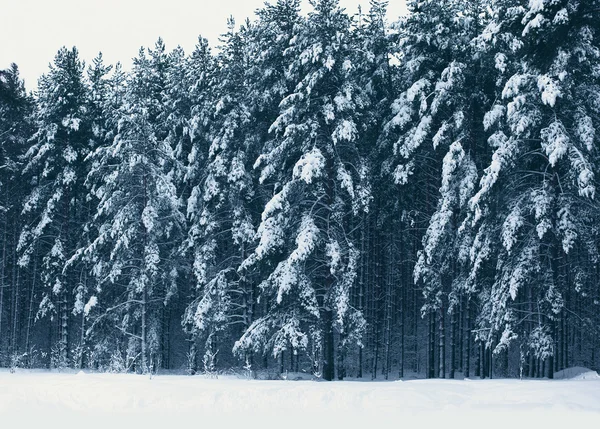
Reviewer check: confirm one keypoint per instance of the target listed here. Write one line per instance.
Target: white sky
(33, 30)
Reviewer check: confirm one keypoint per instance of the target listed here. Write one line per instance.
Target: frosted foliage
(567, 229)
(513, 222)
(555, 142)
(149, 217)
(519, 276)
(69, 154)
(211, 310)
(78, 304)
(270, 232)
(554, 297)
(289, 334)
(417, 89)
(71, 123)
(541, 342)
(513, 86)
(505, 339)
(345, 131)
(451, 163)
(480, 252)
(253, 338)
(68, 177)
(493, 116)
(310, 166)
(345, 180)
(586, 131)
(467, 181)
(57, 287)
(243, 229)
(287, 273)
(277, 203)
(334, 256)
(402, 111)
(415, 137)
(561, 17)
(541, 201)
(271, 237)
(347, 319)
(458, 180)
(328, 113)
(92, 302)
(549, 89)
(536, 22)
(305, 240)
(502, 157)
(451, 77)
(500, 62)
(585, 179)
(441, 135)
(402, 172)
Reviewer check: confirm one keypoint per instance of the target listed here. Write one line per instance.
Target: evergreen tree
(222, 228)
(54, 165)
(304, 250)
(539, 187)
(139, 221)
(15, 128)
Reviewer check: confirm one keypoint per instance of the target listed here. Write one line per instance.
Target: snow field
(49, 400)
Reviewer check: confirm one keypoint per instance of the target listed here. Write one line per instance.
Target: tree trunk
(401, 314)
(341, 373)
(467, 340)
(361, 286)
(452, 342)
(143, 336)
(482, 360)
(2, 285)
(328, 358)
(442, 344)
(30, 312)
(281, 362)
(431, 359)
(15, 339)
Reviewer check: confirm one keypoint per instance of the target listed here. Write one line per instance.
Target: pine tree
(222, 227)
(15, 128)
(543, 136)
(139, 221)
(307, 257)
(54, 167)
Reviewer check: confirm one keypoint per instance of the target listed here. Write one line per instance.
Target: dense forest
(323, 193)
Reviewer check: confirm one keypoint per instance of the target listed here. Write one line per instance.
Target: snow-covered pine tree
(15, 128)
(538, 191)
(377, 227)
(221, 226)
(444, 81)
(98, 111)
(189, 100)
(54, 168)
(139, 222)
(268, 83)
(305, 253)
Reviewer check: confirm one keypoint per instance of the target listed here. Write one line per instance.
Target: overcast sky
(33, 30)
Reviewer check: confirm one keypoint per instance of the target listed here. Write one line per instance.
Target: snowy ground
(48, 400)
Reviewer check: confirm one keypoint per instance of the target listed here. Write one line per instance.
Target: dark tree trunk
(442, 344)
(328, 358)
(467, 340)
(452, 343)
(431, 359)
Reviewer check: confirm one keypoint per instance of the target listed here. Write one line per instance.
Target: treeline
(324, 194)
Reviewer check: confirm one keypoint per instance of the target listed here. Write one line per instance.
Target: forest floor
(36, 399)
